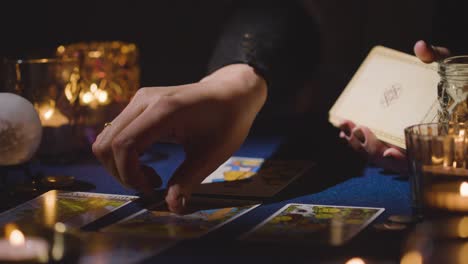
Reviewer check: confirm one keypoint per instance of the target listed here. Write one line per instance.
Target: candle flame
(102, 96)
(16, 238)
(87, 98)
(61, 49)
(93, 87)
(48, 113)
(464, 189)
(356, 261)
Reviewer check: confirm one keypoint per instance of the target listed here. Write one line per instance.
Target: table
(340, 178)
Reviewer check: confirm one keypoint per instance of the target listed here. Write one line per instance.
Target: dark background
(176, 37)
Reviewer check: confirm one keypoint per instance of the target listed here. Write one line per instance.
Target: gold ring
(107, 124)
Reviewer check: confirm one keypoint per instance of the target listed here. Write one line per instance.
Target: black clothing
(278, 39)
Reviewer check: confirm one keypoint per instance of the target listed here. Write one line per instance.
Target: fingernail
(346, 130)
(359, 135)
(183, 201)
(387, 155)
(342, 134)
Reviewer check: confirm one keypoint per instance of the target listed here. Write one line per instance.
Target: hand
(362, 140)
(210, 119)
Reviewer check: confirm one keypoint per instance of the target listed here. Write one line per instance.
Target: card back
(390, 91)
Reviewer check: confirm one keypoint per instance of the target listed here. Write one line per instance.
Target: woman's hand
(210, 119)
(362, 140)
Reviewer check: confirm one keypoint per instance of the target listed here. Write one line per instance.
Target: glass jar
(44, 83)
(452, 90)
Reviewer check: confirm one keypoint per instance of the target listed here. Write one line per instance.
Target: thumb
(373, 146)
(188, 175)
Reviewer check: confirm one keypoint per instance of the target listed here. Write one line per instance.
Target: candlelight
(95, 54)
(464, 189)
(87, 98)
(463, 253)
(356, 261)
(463, 227)
(58, 249)
(61, 49)
(102, 96)
(93, 87)
(68, 92)
(16, 238)
(50, 208)
(95, 96)
(412, 257)
(49, 115)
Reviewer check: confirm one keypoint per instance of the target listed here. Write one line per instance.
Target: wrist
(239, 81)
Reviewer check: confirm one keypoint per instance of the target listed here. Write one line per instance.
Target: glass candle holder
(437, 241)
(438, 166)
(110, 76)
(45, 83)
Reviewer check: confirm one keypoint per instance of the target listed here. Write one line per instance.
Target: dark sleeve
(277, 38)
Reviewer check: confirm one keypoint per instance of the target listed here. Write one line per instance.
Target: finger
(428, 53)
(381, 154)
(197, 165)
(346, 126)
(395, 160)
(356, 139)
(103, 145)
(394, 154)
(139, 134)
(371, 144)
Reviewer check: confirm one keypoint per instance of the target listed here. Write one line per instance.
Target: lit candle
(448, 196)
(18, 248)
(95, 95)
(51, 116)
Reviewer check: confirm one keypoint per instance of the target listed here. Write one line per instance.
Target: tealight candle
(448, 196)
(18, 248)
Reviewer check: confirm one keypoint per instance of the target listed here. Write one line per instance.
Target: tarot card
(205, 215)
(252, 177)
(75, 209)
(116, 248)
(309, 223)
(390, 91)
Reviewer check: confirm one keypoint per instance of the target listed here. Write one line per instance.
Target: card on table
(252, 177)
(390, 91)
(309, 223)
(75, 209)
(204, 215)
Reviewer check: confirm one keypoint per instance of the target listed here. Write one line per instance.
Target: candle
(18, 248)
(95, 95)
(448, 196)
(51, 116)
